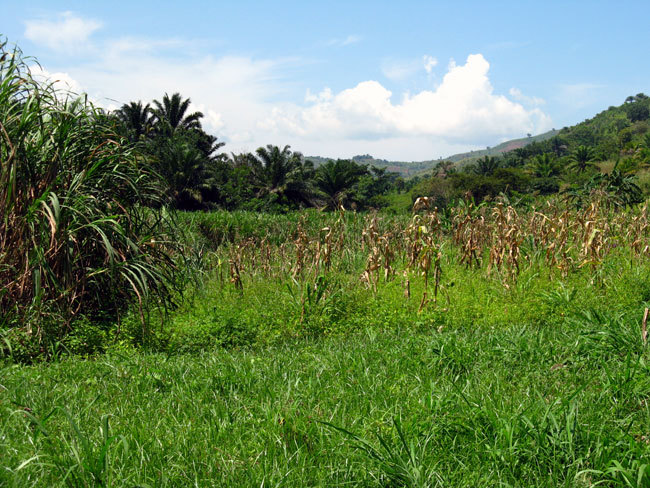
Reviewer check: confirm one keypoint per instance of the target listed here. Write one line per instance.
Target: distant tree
(638, 111)
(373, 186)
(137, 119)
(336, 179)
(558, 145)
(544, 166)
(486, 166)
(172, 113)
(621, 189)
(185, 169)
(582, 159)
(207, 144)
(282, 176)
(643, 149)
(443, 168)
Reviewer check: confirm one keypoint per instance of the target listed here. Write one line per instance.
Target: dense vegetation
(84, 231)
(491, 346)
(171, 315)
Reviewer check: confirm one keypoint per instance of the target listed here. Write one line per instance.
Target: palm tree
(443, 168)
(336, 180)
(186, 171)
(283, 176)
(622, 188)
(171, 114)
(208, 145)
(582, 159)
(545, 167)
(136, 119)
(486, 166)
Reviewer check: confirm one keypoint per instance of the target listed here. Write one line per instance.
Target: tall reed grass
(83, 226)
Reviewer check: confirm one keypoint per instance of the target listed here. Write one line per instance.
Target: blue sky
(407, 81)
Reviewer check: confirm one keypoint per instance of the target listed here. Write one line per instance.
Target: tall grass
(83, 229)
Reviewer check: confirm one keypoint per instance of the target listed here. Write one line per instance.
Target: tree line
(198, 175)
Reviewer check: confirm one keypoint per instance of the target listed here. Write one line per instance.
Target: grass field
(530, 373)
(522, 405)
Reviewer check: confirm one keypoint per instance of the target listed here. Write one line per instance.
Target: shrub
(84, 230)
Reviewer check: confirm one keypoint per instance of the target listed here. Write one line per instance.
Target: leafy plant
(78, 234)
(401, 463)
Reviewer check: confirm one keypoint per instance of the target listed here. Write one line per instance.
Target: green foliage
(582, 159)
(336, 179)
(486, 166)
(441, 190)
(78, 236)
(546, 185)
(434, 403)
(637, 111)
(171, 114)
(282, 178)
(136, 120)
(338, 384)
(545, 166)
(619, 188)
(186, 170)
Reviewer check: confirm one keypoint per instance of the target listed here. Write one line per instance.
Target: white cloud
(231, 91)
(66, 31)
(463, 107)
(429, 63)
(211, 118)
(400, 70)
(351, 39)
(520, 97)
(323, 96)
(61, 82)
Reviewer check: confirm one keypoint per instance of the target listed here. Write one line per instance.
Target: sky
(405, 81)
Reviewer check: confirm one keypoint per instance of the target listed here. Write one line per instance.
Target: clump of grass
(83, 230)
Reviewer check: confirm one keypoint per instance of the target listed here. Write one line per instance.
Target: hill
(412, 168)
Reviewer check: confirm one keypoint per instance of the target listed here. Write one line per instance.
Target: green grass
(558, 402)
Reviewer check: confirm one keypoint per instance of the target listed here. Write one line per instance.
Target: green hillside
(411, 168)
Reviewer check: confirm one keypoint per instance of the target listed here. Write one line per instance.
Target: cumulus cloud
(245, 100)
(60, 81)
(231, 91)
(463, 107)
(66, 31)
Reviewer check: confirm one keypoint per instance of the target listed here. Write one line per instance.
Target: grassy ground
(320, 381)
(558, 405)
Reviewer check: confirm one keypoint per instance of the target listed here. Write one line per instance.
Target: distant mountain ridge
(412, 168)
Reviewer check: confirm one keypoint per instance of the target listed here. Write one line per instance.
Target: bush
(79, 236)
(439, 189)
(546, 186)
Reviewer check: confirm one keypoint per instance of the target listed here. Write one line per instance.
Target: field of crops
(312, 273)
(489, 345)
